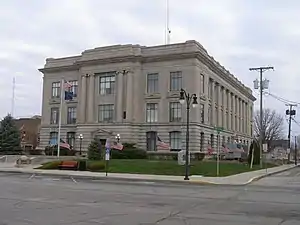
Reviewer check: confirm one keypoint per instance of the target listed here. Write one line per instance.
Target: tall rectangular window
(55, 92)
(152, 83)
(107, 82)
(151, 112)
(175, 81)
(175, 112)
(210, 88)
(175, 140)
(202, 84)
(54, 117)
(106, 113)
(71, 138)
(202, 113)
(71, 117)
(201, 141)
(53, 138)
(74, 87)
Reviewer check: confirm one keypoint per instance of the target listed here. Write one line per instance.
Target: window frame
(55, 89)
(107, 78)
(175, 76)
(71, 115)
(154, 82)
(103, 109)
(151, 141)
(175, 110)
(175, 140)
(74, 87)
(52, 110)
(202, 84)
(151, 111)
(71, 138)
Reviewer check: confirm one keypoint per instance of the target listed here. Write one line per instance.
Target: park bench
(71, 165)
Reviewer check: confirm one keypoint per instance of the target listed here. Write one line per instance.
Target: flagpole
(60, 115)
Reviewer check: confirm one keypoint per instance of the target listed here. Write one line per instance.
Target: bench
(71, 165)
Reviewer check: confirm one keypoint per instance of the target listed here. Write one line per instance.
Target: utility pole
(296, 151)
(290, 112)
(261, 85)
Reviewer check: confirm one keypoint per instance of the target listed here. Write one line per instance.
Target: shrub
(94, 150)
(96, 166)
(129, 152)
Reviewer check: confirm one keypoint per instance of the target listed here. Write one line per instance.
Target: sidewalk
(238, 179)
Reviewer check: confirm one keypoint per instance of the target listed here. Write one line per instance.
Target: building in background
(30, 131)
(133, 91)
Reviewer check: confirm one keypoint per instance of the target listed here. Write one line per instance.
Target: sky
(238, 33)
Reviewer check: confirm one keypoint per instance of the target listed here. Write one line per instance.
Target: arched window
(175, 140)
(151, 138)
(201, 141)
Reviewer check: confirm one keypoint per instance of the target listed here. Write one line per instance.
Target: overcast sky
(238, 33)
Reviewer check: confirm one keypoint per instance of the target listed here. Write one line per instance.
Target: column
(90, 98)
(224, 96)
(229, 107)
(119, 98)
(233, 113)
(213, 105)
(238, 116)
(219, 91)
(82, 100)
(131, 85)
(206, 81)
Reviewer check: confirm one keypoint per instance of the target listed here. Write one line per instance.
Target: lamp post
(80, 142)
(190, 99)
(118, 137)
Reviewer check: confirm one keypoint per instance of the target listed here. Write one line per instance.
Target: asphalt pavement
(29, 199)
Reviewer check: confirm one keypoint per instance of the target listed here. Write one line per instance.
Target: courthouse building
(133, 90)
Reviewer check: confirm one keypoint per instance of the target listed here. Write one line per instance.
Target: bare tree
(272, 127)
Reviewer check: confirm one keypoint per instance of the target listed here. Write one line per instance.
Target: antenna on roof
(167, 30)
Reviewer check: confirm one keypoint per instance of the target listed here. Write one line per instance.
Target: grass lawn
(205, 168)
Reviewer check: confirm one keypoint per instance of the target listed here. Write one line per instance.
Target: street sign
(219, 129)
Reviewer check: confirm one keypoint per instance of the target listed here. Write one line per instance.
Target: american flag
(22, 127)
(117, 146)
(64, 144)
(67, 85)
(210, 150)
(162, 144)
(225, 149)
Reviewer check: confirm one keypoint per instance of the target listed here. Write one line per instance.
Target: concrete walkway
(238, 179)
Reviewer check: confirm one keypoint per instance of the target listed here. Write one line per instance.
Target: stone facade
(115, 85)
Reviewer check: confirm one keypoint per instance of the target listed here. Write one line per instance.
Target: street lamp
(118, 137)
(190, 99)
(80, 142)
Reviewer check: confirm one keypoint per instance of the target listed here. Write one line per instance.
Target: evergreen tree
(10, 137)
(254, 147)
(94, 150)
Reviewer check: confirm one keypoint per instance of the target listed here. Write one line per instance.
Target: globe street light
(190, 99)
(80, 142)
(118, 137)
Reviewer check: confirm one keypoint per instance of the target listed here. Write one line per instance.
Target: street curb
(122, 179)
(254, 179)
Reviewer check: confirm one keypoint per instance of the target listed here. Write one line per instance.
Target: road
(35, 200)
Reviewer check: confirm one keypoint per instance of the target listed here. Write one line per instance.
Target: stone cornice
(200, 55)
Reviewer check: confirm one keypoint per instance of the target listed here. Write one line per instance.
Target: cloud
(238, 33)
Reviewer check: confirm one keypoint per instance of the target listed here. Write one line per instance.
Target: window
(53, 138)
(152, 83)
(106, 113)
(226, 121)
(209, 114)
(151, 138)
(175, 81)
(212, 140)
(151, 112)
(54, 116)
(107, 83)
(55, 90)
(71, 117)
(201, 141)
(71, 139)
(175, 112)
(210, 83)
(202, 84)
(201, 113)
(74, 88)
(175, 140)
